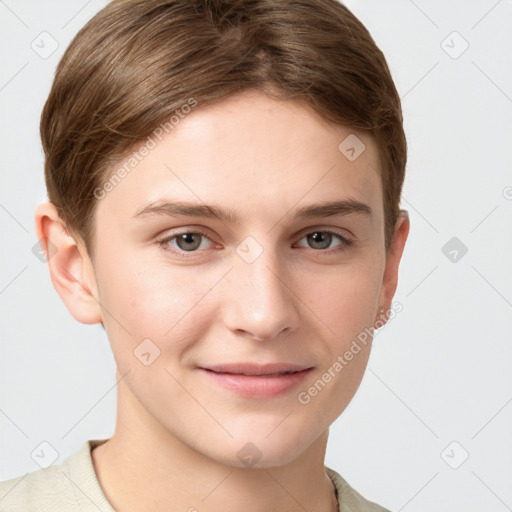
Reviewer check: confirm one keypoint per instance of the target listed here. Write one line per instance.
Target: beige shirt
(72, 486)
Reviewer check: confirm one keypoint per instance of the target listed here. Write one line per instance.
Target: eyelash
(164, 243)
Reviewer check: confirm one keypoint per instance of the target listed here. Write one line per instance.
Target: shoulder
(350, 500)
(67, 486)
(38, 490)
(26, 492)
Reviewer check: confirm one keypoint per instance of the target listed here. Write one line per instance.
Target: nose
(260, 302)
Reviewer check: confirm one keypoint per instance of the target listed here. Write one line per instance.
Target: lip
(257, 381)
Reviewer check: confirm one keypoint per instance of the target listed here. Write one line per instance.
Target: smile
(252, 381)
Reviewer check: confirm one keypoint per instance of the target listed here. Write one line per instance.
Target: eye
(322, 239)
(193, 241)
(188, 241)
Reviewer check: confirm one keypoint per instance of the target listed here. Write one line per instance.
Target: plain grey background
(430, 427)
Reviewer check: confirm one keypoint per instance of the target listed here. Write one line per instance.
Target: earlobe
(393, 257)
(70, 267)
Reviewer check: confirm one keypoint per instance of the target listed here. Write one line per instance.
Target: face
(246, 277)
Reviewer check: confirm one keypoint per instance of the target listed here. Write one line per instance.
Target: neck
(143, 466)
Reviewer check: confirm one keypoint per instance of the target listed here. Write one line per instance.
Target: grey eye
(189, 241)
(320, 239)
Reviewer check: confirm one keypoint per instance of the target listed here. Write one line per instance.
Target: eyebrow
(180, 208)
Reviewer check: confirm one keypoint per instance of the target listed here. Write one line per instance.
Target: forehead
(251, 153)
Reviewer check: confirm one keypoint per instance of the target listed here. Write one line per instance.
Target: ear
(393, 257)
(71, 270)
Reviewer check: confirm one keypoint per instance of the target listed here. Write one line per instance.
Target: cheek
(145, 300)
(346, 302)
(343, 300)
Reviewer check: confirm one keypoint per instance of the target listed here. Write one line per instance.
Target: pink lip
(257, 381)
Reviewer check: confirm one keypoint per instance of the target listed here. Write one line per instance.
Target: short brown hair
(138, 61)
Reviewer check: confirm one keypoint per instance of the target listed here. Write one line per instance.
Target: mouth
(250, 369)
(257, 381)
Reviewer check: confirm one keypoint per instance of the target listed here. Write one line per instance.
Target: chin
(250, 448)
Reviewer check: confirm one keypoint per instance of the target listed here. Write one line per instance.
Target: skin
(177, 433)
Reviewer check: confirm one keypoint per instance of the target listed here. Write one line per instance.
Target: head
(279, 125)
